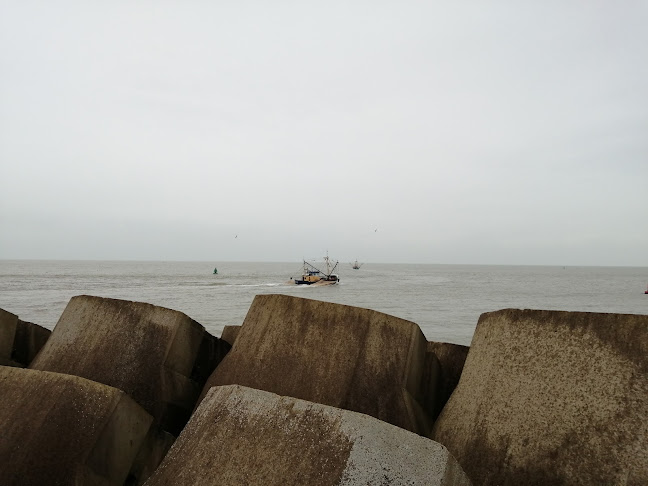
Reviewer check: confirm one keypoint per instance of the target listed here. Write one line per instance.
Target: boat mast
(329, 269)
(328, 264)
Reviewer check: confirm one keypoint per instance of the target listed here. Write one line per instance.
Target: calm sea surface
(444, 300)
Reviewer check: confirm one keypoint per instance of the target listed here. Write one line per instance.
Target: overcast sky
(493, 132)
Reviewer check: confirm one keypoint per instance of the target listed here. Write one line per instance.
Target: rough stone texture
(551, 397)
(229, 333)
(64, 430)
(243, 436)
(8, 324)
(29, 340)
(337, 355)
(154, 354)
(443, 365)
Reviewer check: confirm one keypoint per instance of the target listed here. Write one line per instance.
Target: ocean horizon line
(211, 262)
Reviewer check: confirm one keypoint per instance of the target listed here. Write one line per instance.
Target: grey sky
(433, 132)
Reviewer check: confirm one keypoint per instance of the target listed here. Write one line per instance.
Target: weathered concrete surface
(153, 449)
(29, 340)
(64, 430)
(229, 333)
(550, 397)
(159, 356)
(8, 324)
(240, 435)
(20, 341)
(443, 365)
(337, 355)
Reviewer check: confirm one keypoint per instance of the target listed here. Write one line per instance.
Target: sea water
(444, 300)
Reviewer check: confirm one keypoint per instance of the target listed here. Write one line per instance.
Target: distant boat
(215, 271)
(355, 265)
(312, 275)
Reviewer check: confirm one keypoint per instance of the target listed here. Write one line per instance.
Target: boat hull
(317, 282)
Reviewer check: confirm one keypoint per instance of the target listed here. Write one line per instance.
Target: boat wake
(226, 284)
(272, 284)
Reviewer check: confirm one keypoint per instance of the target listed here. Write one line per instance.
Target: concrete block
(333, 354)
(64, 430)
(148, 351)
(153, 449)
(229, 333)
(29, 340)
(550, 397)
(239, 435)
(8, 324)
(443, 366)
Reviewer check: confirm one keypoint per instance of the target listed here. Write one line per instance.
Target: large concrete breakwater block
(550, 397)
(443, 366)
(58, 429)
(229, 333)
(8, 325)
(334, 354)
(20, 341)
(28, 341)
(239, 435)
(160, 357)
